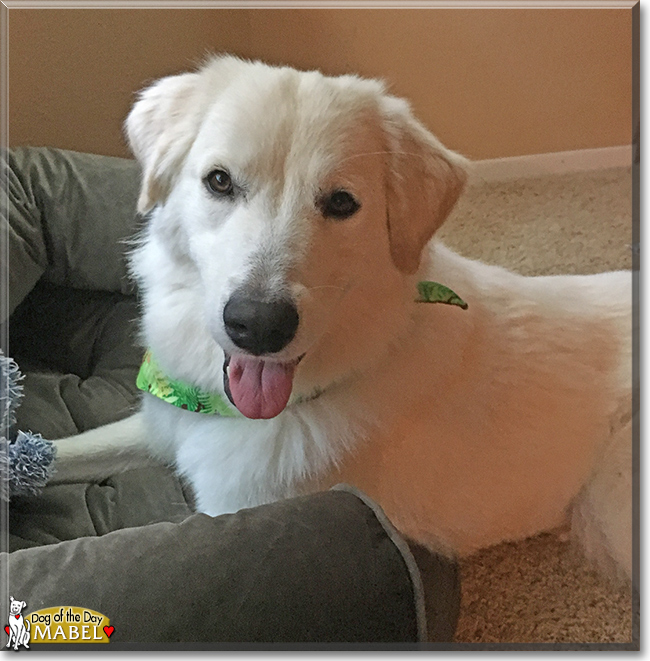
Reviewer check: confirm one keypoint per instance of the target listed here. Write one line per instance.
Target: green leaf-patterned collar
(153, 380)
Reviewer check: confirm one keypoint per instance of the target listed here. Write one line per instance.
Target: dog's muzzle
(255, 381)
(260, 327)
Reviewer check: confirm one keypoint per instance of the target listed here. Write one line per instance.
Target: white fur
(468, 427)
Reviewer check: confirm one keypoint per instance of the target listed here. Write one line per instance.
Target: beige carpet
(539, 590)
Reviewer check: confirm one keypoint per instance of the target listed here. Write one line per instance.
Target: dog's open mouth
(258, 388)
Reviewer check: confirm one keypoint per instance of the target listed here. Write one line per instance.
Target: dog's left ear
(424, 180)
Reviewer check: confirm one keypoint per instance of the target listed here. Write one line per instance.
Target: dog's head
(15, 606)
(300, 204)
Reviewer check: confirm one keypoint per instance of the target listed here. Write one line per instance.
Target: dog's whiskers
(367, 153)
(326, 287)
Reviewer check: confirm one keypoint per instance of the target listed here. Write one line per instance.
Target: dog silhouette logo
(18, 629)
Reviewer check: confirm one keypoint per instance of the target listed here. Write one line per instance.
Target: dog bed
(316, 569)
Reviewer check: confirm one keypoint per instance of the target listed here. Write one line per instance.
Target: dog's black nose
(258, 326)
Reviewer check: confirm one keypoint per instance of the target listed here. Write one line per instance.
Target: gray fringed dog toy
(26, 459)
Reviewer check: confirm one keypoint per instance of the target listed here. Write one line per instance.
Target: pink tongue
(259, 389)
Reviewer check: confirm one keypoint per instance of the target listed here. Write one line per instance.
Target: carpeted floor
(539, 590)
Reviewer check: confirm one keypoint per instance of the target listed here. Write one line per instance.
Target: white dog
(290, 224)
(19, 632)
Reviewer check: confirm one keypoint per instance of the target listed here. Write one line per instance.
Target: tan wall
(488, 82)
(73, 73)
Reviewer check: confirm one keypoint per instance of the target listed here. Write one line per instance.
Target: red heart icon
(109, 631)
(16, 616)
(7, 629)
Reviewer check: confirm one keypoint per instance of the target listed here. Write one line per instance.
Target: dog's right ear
(161, 128)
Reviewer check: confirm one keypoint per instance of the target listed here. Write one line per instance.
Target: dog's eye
(339, 204)
(219, 181)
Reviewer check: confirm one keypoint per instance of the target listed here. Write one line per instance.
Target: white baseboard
(561, 162)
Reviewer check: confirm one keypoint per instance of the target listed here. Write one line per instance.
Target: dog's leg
(102, 452)
(602, 514)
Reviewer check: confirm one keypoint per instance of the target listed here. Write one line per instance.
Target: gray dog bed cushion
(70, 218)
(320, 568)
